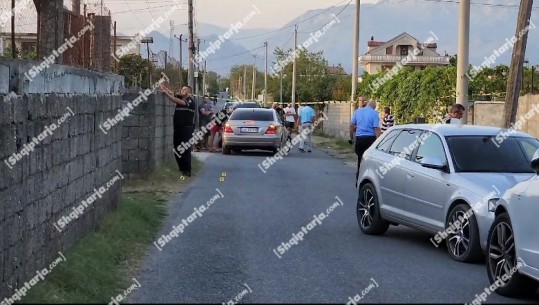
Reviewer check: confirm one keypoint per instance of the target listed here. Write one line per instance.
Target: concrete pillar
(50, 27)
(100, 43)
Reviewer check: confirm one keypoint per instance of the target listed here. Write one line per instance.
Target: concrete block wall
(338, 122)
(491, 114)
(147, 134)
(62, 170)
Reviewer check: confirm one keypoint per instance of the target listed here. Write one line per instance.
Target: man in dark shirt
(184, 126)
(206, 114)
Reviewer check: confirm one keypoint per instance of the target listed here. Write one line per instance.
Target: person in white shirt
(290, 119)
(298, 115)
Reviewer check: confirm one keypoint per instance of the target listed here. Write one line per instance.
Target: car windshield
(252, 115)
(484, 154)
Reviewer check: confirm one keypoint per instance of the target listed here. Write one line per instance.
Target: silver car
(513, 240)
(254, 128)
(441, 179)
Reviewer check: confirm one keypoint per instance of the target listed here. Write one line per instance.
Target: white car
(513, 239)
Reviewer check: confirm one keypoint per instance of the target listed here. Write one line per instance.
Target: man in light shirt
(290, 119)
(306, 118)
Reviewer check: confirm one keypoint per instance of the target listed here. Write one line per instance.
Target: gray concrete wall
(491, 114)
(338, 123)
(147, 134)
(61, 171)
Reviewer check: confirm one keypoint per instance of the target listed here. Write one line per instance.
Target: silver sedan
(253, 128)
(441, 179)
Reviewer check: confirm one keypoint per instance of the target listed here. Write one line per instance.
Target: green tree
(135, 70)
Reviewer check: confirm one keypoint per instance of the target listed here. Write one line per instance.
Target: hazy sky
(133, 15)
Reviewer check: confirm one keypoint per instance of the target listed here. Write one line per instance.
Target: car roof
(253, 109)
(462, 130)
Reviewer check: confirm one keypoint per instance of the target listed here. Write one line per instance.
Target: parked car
(434, 177)
(249, 105)
(253, 128)
(513, 239)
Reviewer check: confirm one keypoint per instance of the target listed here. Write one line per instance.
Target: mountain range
(490, 25)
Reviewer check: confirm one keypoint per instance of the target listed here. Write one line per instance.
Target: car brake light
(228, 129)
(271, 129)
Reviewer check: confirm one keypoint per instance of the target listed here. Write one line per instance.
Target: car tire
(226, 150)
(463, 245)
(501, 231)
(368, 212)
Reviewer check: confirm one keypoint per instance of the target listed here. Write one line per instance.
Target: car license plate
(250, 130)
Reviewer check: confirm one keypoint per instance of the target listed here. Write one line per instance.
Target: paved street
(231, 246)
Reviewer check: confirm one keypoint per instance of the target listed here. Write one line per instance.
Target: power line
(230, 56)
(340, 12)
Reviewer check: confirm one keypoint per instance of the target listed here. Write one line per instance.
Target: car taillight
(228, 129)
(271, 129)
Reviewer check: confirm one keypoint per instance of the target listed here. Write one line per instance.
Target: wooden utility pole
(266, 74)
(515, 70)
(191, 80)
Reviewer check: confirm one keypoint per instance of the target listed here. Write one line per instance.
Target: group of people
(365, 126)
(184, 125)
(303, 119)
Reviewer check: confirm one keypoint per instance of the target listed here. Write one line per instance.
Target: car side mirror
(535, 162)
(434, 163)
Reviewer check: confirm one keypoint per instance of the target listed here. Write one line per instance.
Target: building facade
(403, 48)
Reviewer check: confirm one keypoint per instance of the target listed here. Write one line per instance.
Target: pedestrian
(365, 124)
(184, 128)
(290, 119)
(307, 120)
(455, 114)
(206, 115)
(279, 110)
(387, 119)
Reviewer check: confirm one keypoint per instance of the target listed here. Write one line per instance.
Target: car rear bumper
(251, 141)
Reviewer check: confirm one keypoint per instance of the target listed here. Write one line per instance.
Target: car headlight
(492, 203)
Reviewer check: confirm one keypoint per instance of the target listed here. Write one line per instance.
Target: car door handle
(409, 176)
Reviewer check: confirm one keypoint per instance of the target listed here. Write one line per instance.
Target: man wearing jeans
(306, 118)
(366, 125)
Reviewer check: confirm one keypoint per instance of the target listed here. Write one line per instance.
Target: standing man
(387, 119)
(206, 114)
(306, 119)
(290, 119)
(184, 126)
(455, 114)
(365, 124)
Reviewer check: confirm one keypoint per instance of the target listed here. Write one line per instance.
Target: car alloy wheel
(502, 262)
(463, 235)
(368, 212)
(459, 239)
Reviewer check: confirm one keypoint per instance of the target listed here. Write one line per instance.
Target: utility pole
(166, 56)
(190, 79)
(463, 57)
(115, 62)
(294, 66)
(517, 60)
(181, 57)
(266, 75)
(254, 79)
(101, 7)
(533, 72)
(204, 80)
(281, 99)
(13, 46)
(355, 58)
(245, 82)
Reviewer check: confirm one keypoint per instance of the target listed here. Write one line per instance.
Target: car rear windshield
(485, 154)
(255, 115)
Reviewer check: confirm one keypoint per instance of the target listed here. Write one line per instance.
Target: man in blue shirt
(365, 124)
(306, 118)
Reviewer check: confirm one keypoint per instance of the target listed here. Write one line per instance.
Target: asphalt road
(230, 247)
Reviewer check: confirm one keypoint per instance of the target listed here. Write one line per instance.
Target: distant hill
(490, 27)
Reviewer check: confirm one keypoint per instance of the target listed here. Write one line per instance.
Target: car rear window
(254, 115)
